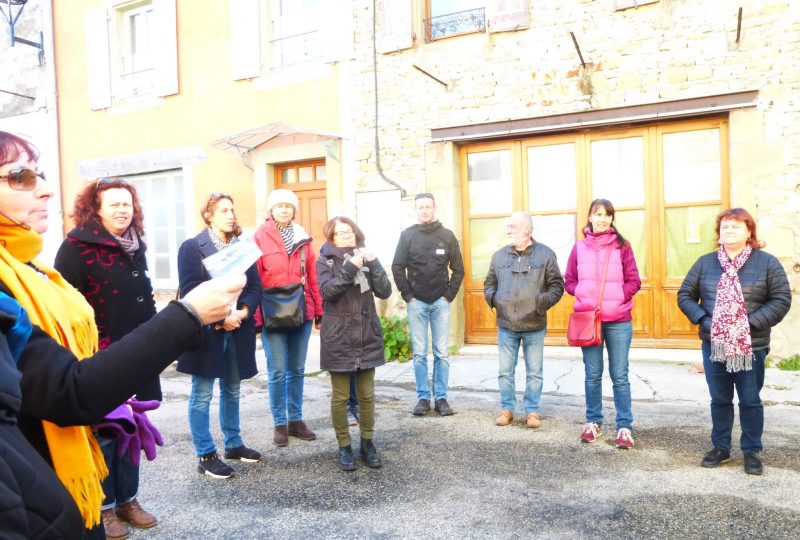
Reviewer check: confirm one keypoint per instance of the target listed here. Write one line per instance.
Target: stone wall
(669, 50)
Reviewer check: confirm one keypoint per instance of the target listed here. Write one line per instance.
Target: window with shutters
(132, 51)
(445, 18)
(294, 30)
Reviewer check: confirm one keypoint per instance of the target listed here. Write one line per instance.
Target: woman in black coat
(736, 295)
(228, 349)
(351, 340)
(104, 258)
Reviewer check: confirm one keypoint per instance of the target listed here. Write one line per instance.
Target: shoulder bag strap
(303, 263)
(603, 279)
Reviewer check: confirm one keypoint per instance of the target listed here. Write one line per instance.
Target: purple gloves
(129, 424)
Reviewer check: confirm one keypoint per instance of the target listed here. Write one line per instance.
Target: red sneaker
(624, 439)
(591, 432)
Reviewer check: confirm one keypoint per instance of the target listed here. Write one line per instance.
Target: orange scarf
(62, 312)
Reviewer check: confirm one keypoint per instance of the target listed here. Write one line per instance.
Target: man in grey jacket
(522, 284)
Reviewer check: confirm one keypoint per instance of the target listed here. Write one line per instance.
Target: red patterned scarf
(730, 326)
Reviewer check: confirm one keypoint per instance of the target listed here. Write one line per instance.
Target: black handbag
(284, 308)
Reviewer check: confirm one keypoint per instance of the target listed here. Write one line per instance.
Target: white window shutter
(336, 30)
(396, 30)
(245, 39)
(98, 59)
(166, 47)
(507, 15)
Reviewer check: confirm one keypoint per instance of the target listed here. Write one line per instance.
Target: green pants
(365, 390)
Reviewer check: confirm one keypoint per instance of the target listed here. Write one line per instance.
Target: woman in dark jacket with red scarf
(104, 258)
(351, 340)
(736, 294)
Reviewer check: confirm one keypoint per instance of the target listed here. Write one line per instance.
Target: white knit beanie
(279, 196)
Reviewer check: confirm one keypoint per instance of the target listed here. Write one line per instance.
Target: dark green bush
(790, 364)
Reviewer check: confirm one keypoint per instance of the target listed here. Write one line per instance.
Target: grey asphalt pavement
(463, 477)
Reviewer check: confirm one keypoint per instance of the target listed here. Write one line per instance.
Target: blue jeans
(200, 402)
(286, 365)
(508, 342)
(617, 338)
(751, 411)
(122, 483)
(437, 316)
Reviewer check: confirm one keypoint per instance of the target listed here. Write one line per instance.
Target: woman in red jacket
(582, 280)
(288, 258)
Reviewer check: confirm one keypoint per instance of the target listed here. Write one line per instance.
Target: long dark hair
(211, 205)
(609, 208)
(89, 201)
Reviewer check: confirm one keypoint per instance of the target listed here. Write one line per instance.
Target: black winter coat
(115, 285)
(765, 288)
(420, 263)
(206, 359)
(54, 386)
(351, 338)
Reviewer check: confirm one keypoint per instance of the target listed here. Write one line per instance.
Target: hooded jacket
(522, 287)
(421, 260)
(585, 271)
(351, 338)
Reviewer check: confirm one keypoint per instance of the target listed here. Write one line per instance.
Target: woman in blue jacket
(228, 349)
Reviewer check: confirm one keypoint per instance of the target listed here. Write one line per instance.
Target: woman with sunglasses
(228, 351)
(103, 257)
(51, 465)
(351, 339)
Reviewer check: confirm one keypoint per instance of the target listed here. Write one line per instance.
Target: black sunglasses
(23, 179)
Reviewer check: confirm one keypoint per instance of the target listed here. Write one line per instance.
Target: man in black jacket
(420, 270)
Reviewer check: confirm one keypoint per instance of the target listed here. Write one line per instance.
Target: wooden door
(307, 180)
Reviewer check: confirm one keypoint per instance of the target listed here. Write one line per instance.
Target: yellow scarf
(61, 311)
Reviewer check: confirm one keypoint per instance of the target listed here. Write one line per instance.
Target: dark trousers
(751, 411)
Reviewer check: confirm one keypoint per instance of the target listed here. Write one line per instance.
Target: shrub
(396, 339)
(790, 364)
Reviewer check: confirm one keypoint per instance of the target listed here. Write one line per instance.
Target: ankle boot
(115, 529)
(281, 437)
(347, 462)
(369, 454)
(299, 429)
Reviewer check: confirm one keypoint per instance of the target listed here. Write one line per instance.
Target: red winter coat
(277, 268)
(585, 270)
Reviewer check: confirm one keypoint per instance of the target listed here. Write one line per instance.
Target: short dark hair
(88, 202)
(328, 229)
(742, 215)
(426, 195)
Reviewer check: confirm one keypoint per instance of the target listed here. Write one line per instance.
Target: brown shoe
(504, 418)
(534, 420)
(281, 437)
(135, 515)
(115, 529)
(299, 429)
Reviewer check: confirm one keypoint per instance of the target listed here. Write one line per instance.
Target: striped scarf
(730, 325)
(287, 233)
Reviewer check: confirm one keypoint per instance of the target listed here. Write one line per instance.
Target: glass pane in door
(486, 237)
(489, 175)
(630, 224)
(691, 166)
(618, 171)
(551, 177)
(556, 231)
(690, 233)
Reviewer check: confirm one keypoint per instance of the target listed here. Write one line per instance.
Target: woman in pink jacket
(582, 280)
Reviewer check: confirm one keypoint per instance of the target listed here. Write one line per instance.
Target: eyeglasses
(343, 234)
(23, 179)
(423, 196)
(112, 181)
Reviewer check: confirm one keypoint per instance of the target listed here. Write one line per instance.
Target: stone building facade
(577, 72)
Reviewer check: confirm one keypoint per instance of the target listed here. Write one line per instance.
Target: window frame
(426, 23)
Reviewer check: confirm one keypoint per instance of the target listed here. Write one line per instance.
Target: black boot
(347, 462)
(369, 454)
